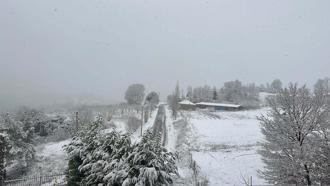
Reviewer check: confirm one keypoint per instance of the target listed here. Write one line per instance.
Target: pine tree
(215, 94)
(111, 159)
(189, 95)
(174, 100)
(80, 148)
(150, 163)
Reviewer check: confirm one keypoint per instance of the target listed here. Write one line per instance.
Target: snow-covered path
(159, 127)
(171, 132)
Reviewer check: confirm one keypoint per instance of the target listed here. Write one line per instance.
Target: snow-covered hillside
(226, 145)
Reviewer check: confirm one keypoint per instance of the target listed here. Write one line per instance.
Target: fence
(45, 180)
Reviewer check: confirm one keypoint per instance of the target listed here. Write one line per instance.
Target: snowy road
(159, 127)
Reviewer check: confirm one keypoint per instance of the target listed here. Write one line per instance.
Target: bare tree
(289, 150)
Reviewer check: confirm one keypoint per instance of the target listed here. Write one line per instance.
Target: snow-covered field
(226, 146)
(51, 159)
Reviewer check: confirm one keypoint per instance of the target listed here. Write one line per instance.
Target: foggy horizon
(52, 52)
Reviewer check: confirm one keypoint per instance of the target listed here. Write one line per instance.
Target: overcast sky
(50, 49)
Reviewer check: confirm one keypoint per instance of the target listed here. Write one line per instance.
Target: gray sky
(51, 49)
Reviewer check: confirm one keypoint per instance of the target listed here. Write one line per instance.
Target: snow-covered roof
(186, 102)
(219, 104)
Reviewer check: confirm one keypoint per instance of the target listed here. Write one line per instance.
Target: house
(218, 106)
(187, 105)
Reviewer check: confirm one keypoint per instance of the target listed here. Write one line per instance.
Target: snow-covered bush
(20, 153)
(80, 149)
(96, 157)
(150, 163)
(36, 124)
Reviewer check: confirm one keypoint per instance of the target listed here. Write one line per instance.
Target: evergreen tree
(276, 85)
(74, 176)
(150, 163)
(215, 94)
(189, 95)
(111, 159)
(80, 149)
(173, 100)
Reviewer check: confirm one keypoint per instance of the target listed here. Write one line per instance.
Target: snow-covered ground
(226, 146)
(230, 167)
(171, 132)
(51, 159)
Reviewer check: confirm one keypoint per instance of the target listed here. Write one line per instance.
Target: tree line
(235, 91)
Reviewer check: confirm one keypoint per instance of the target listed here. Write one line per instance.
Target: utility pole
(77, 121)
(142, 120)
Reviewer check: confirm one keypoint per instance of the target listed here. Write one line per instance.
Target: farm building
(218, 106)
(187, 105)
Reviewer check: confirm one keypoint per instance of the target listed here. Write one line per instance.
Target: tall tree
(189, 95)
(290, 129)
(135, 94)
(215, 94)
(322, 85)
(232, 91)
(276, 85)
(174, 99)
(152, 99)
